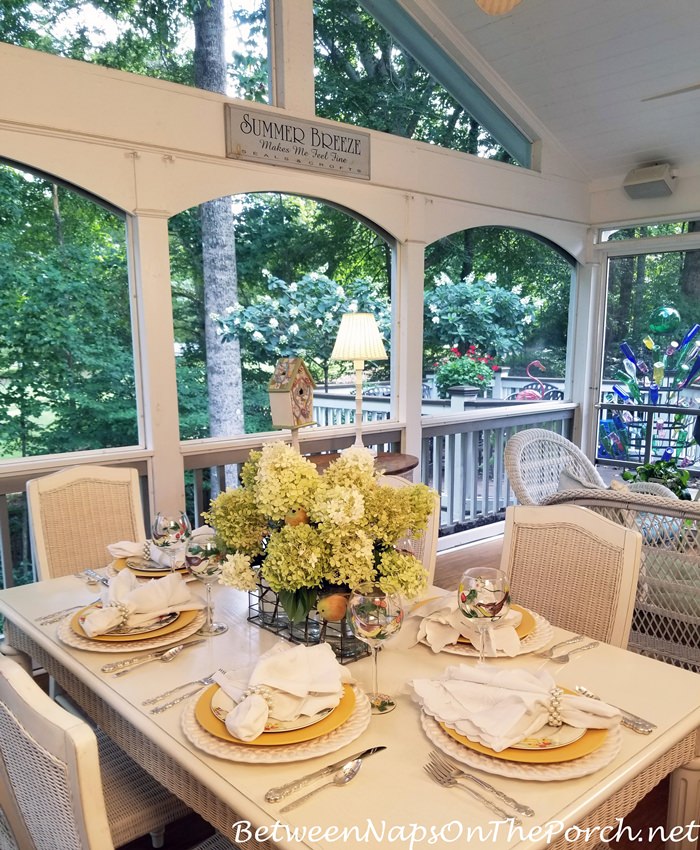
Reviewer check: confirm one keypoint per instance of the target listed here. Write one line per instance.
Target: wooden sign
(259, 136)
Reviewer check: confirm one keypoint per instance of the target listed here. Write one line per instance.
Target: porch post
(291, 52)
(154, 357)
(407, 341)
(586, 340)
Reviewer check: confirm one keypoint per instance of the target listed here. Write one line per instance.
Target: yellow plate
(526, 627)
(208, 721)
(591, 740)
(120, 564)
(184, 619)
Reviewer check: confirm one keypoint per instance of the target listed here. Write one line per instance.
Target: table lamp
(358, 340)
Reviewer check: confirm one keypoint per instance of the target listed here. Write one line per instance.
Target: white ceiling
(615, 82)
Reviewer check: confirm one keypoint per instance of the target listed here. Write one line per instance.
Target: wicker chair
(64, 788)
(76, 512)
(535, 458)
(577, 569)
(666, 623)
(423, 547)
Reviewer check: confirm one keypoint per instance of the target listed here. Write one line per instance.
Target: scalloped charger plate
(208, 720)
(184, 618)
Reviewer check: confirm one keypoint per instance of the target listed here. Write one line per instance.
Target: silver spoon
(167, 656)
(342, 777)
(562, 659)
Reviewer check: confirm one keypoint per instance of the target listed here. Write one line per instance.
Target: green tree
(288, 235)
(522, 263)
(364, 77)
(66, 364)
(473, 312)
(300, 319)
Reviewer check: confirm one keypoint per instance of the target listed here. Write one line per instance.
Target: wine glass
(374, 615)
(170, 534)
(484, 596)
(204, 557)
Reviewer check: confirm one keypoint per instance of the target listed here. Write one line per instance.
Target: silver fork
(55, 616)
(457, 772)
(205, 680)
(549, 653)
(443, 777)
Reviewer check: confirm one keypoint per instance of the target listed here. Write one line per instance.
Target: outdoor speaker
(649, 181)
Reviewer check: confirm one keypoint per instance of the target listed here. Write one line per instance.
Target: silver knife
(137, 661)
(631, 721)
(96, 577)
(275, 794)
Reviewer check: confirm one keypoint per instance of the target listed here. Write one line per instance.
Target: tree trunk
(58, 221)
(224, 377)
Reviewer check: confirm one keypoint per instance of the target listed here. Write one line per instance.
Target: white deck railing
(461, 456)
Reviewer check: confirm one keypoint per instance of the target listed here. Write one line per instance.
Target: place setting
(294, 703)
(131, 615)
(478, 621)
(163, 553)
(517, 723)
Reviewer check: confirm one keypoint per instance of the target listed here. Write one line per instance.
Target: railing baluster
(5, 549)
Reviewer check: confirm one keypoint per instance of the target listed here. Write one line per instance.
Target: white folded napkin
(285, 684)
(146, 551)
(141, 602)
(498, 708)
(438, 622)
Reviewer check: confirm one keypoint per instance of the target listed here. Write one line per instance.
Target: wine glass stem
(210, 617)
(483, 627)
(375, 677)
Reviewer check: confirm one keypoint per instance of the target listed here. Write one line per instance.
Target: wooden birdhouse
(291, 390)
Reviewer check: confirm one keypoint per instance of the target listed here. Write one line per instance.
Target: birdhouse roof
(286, 371)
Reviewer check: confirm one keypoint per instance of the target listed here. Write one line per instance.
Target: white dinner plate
(222, 703)
(550, 738)
(165, 620)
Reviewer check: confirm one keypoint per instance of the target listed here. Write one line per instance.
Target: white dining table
(392, 803)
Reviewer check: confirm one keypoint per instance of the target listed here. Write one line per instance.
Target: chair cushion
(568, 480)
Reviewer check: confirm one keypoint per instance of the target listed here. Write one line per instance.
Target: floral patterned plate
(211, 721)
(550, 737)
(221, 704)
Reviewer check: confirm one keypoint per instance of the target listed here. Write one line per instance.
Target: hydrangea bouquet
(309, 534)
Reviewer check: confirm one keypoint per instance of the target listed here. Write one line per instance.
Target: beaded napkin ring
(553, 714)
(261, 691)
(123, 610)
(147, 550)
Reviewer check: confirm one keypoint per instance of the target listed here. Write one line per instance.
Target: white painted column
(154, 354)
(407, 340)
(586, 329)
(291, 51)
